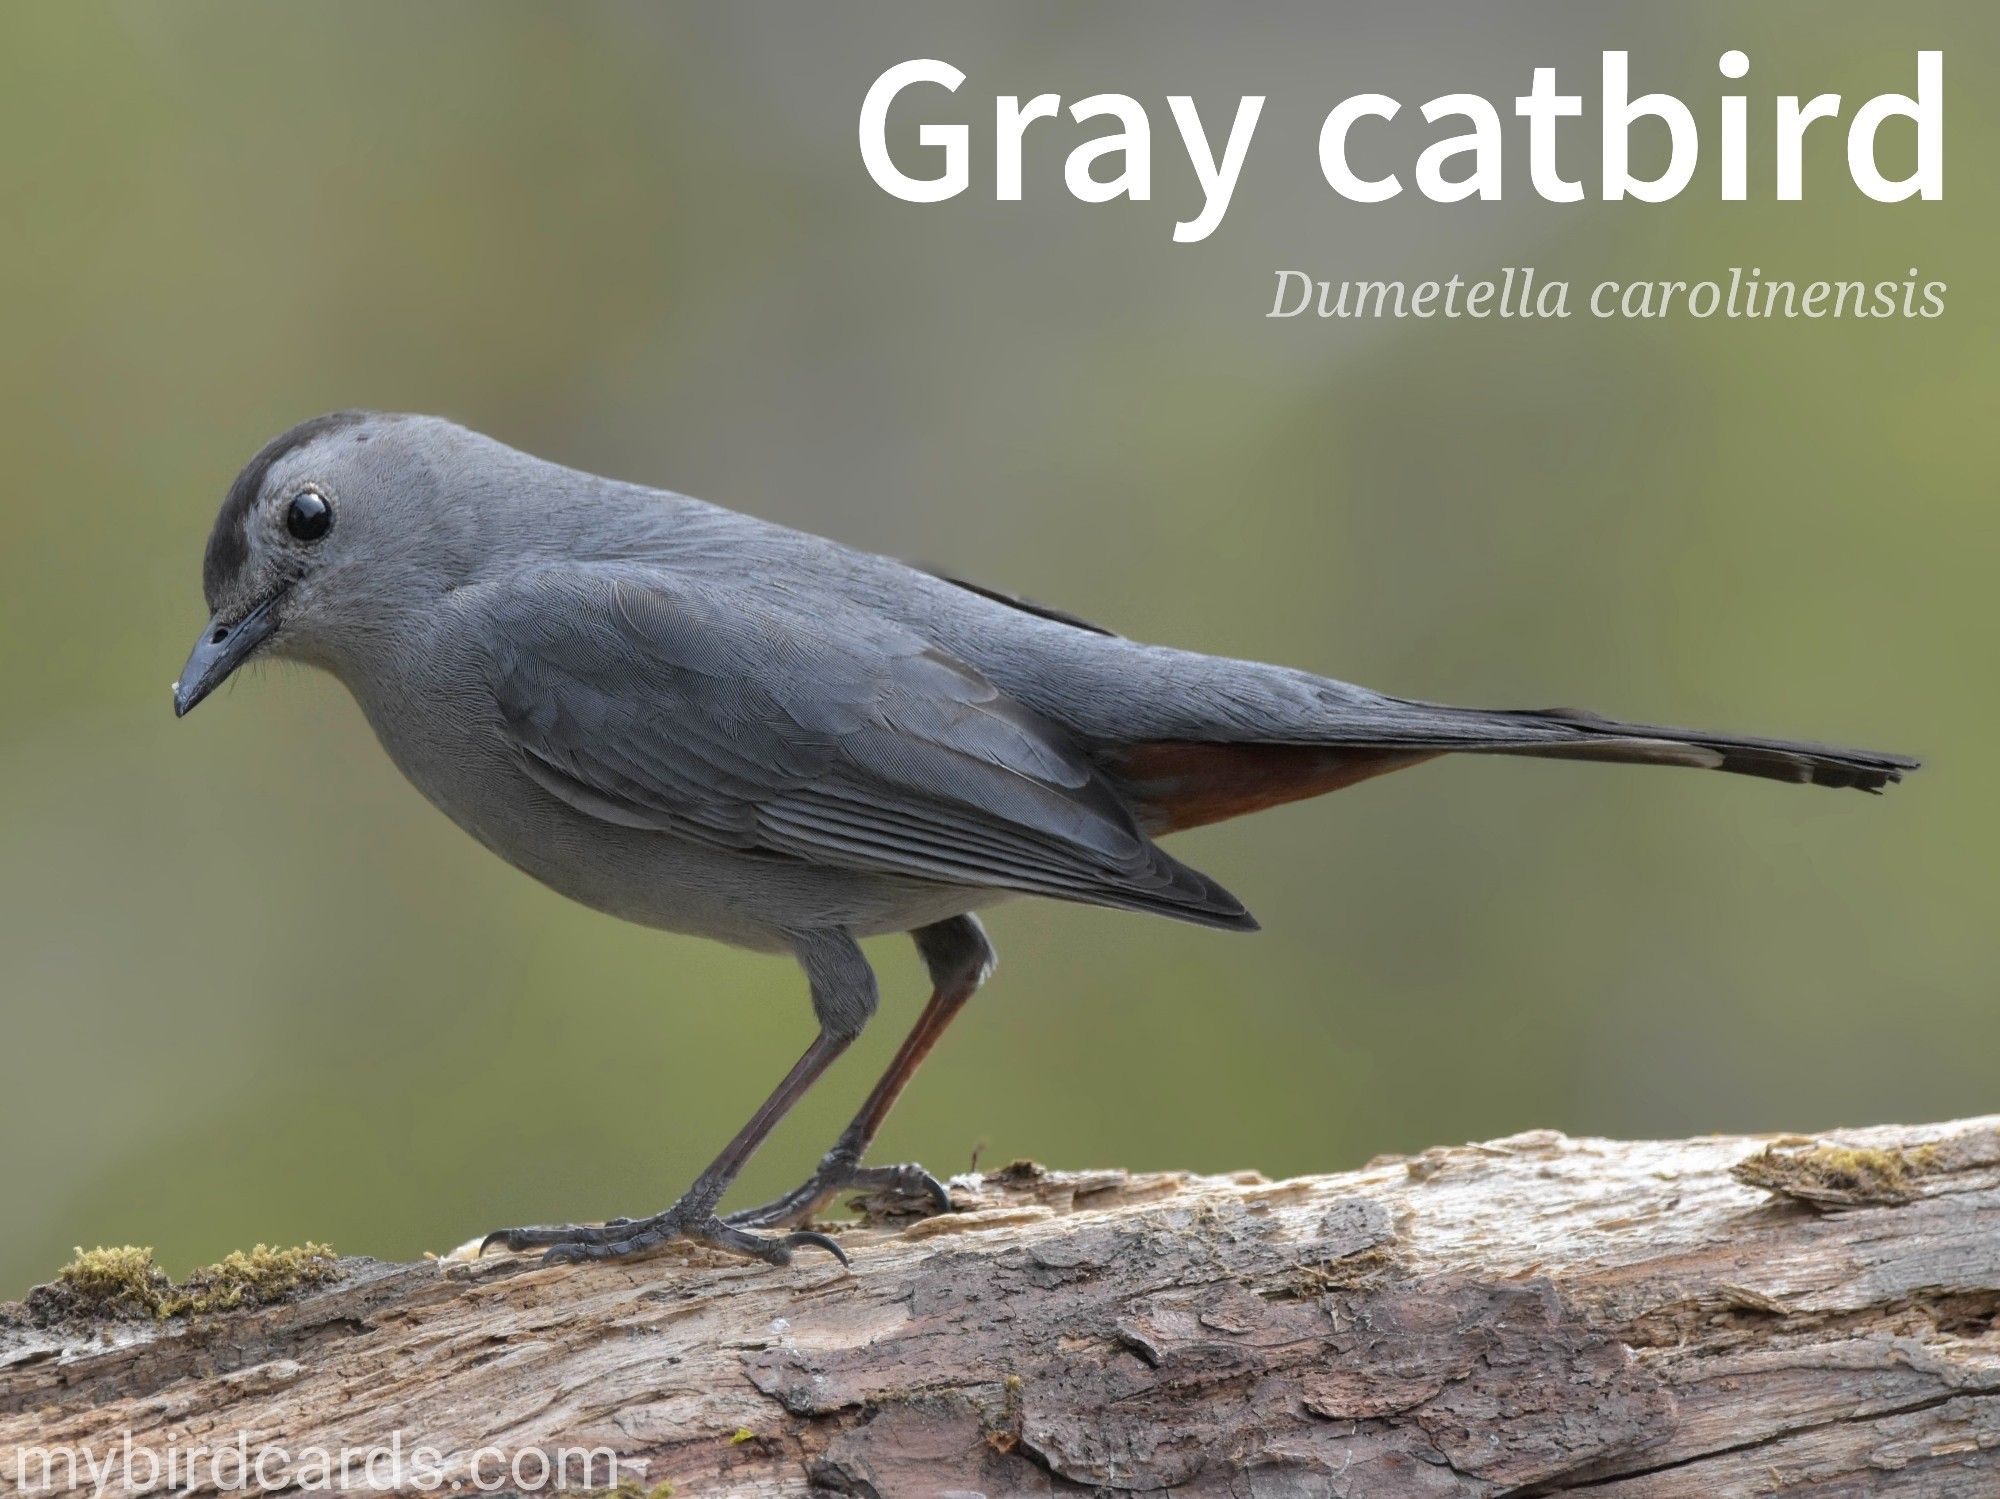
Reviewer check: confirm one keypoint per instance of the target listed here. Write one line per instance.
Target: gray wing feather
(741, 721)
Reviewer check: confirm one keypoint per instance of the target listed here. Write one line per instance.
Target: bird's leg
(843, 993)
(959, 958)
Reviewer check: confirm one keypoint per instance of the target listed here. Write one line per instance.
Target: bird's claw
(912, 1188)
(571, 1244)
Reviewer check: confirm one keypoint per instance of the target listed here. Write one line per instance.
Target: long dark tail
(1185, 783)
(1588, 736)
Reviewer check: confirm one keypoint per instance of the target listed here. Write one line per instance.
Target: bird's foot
(570, 1244)
(908, 1189)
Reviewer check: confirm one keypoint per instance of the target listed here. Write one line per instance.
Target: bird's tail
(1184, 783)
(1570, 734)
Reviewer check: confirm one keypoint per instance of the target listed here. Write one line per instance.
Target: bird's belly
(650, 877)
(659, 880)
(748, 900)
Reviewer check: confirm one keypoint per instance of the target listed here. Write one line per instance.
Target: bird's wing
(742, 721)
(1015, 601)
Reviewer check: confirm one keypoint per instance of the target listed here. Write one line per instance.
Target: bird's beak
(222, 648)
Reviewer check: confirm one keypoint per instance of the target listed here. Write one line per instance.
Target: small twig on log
(1531, 1316)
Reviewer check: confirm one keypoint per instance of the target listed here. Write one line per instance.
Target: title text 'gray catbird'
(702, 722)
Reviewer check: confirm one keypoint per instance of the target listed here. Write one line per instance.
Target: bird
(703, 722)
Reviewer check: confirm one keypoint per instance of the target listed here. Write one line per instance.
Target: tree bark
(1530, 1316)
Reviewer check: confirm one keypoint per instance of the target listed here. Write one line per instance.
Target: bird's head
(328, 535)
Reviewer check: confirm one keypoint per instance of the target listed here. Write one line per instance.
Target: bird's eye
(308, 516)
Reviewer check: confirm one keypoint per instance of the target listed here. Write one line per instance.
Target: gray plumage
(700, 721)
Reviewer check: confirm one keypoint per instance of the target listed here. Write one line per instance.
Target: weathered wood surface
(1532, 1316)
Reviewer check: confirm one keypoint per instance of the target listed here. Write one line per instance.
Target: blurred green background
(251, 987)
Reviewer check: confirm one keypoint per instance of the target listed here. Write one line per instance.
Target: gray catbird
(699, 721)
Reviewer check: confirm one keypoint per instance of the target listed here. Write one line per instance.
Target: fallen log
(1533, 1316)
